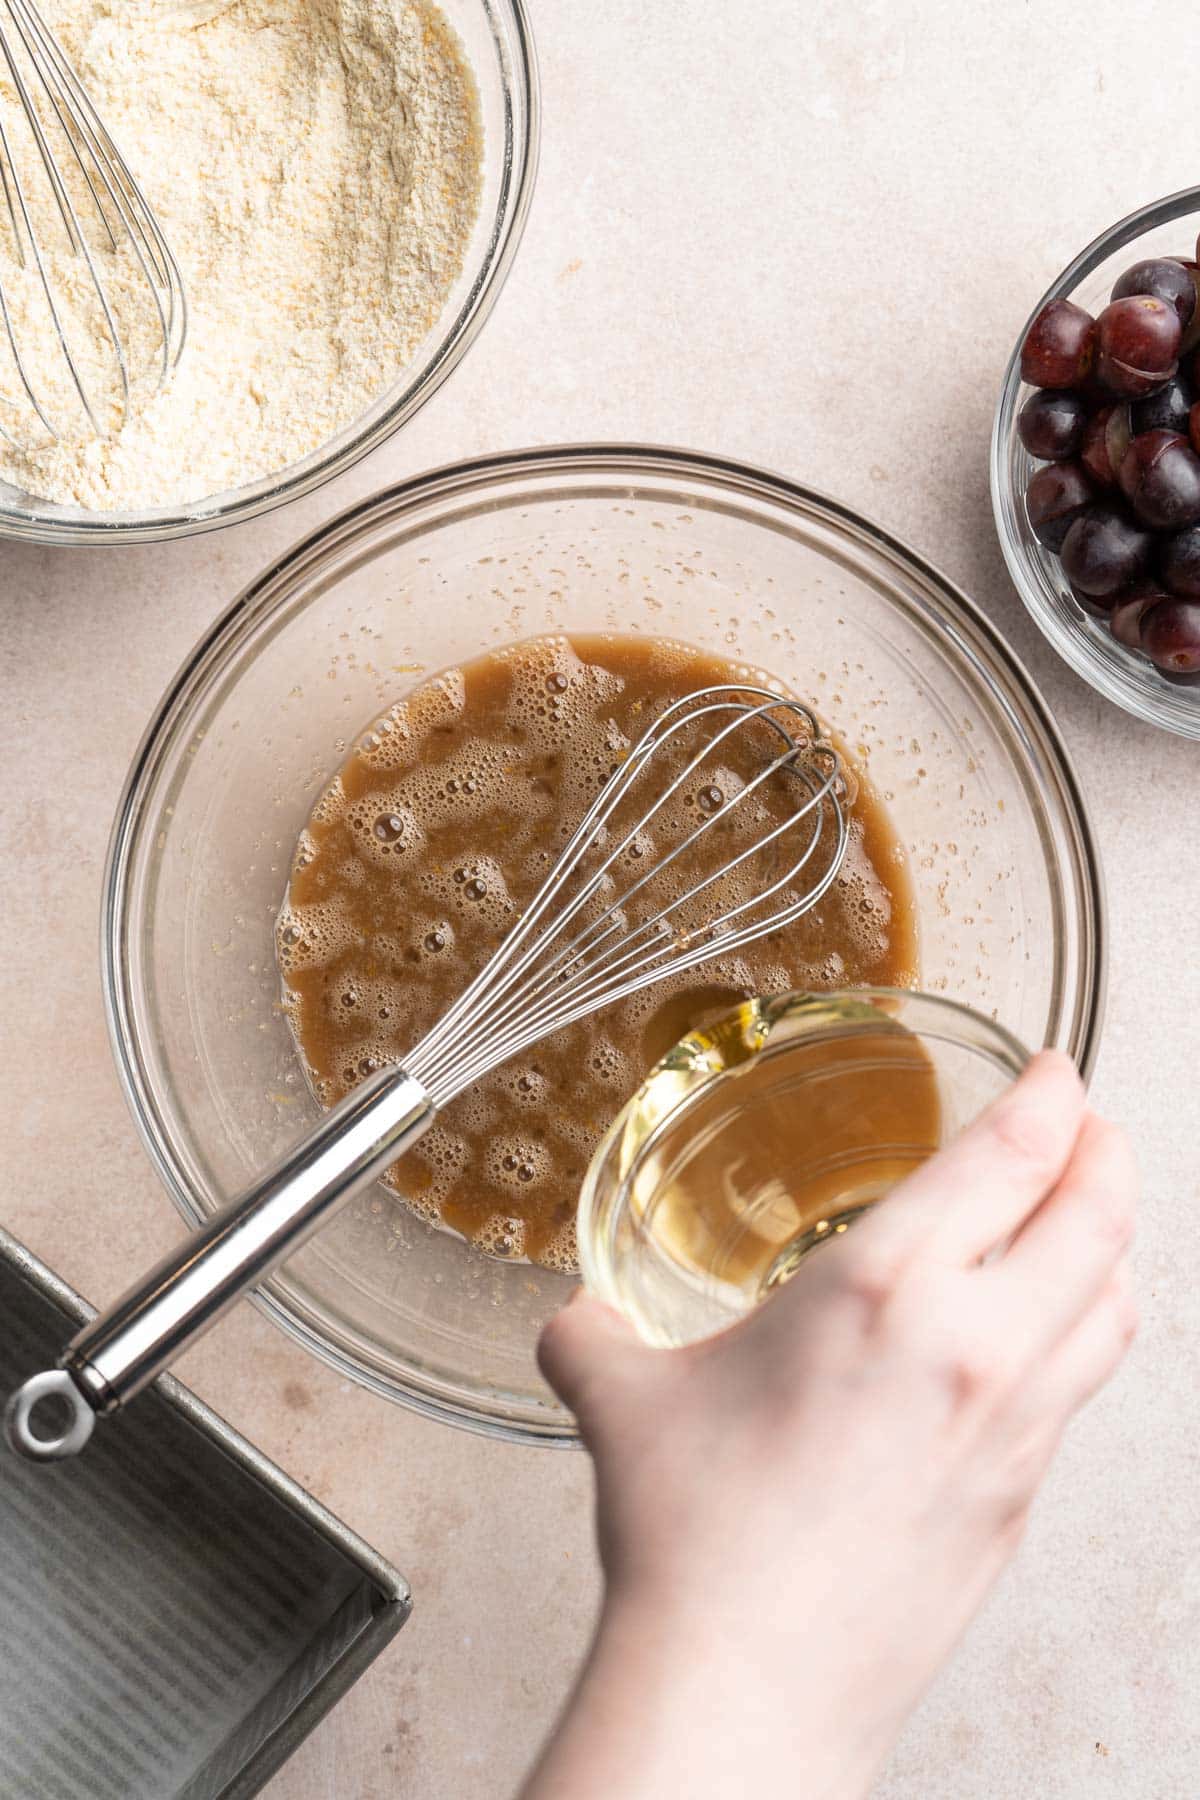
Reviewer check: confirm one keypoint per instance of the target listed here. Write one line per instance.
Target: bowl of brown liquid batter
(360, 777)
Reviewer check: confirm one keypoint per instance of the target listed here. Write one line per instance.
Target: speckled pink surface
(805, 236)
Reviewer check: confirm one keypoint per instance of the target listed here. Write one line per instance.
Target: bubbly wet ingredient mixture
(438, 830)
(315, 167)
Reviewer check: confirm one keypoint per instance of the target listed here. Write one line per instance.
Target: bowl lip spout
(1119, 674)
(451, 337)
(1052, 784)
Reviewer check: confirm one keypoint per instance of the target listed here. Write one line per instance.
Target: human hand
(799, 1517)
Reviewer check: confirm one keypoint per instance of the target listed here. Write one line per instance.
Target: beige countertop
(805, 236)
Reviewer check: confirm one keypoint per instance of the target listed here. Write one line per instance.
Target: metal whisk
(601, 927)
(95, 304)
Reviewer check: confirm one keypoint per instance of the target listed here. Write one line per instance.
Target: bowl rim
(1009, 686)
(1105, 666)
(510, 26)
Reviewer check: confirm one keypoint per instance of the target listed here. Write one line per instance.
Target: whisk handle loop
(124, 1348)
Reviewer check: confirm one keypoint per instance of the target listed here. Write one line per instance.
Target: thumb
(587, 1348)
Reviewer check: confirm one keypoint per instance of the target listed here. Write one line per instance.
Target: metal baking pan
(177, 1613)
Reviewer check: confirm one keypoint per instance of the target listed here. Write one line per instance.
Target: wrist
(724, 1701)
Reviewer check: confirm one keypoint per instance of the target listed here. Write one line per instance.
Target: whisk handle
(123, 1349)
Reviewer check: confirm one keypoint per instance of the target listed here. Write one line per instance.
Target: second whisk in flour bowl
(342, 184)
(434, 575)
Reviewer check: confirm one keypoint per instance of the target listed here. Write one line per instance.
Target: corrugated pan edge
(364, 1636)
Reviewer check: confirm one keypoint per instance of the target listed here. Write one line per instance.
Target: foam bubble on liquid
(561, 1252)
(517, 1162)
(308, 937)
(479, 1109)
(355, 1002)
(429, 1175)
(524, 1086)
(384, 829)
(473, 888)
(388, 744)
(328, 808)
(608, 1064)
(501, 1235)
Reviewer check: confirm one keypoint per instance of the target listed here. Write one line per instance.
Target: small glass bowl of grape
(1095, 465)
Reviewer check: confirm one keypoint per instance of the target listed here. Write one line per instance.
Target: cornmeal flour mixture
(315, 166)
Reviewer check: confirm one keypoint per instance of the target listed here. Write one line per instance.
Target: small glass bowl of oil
(759, 1139)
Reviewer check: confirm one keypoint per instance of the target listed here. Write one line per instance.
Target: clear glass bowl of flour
(496, 46)
(962, 748)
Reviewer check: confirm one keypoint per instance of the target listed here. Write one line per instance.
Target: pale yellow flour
(315, 165)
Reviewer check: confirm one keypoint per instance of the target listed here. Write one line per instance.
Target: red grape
(1125, 619)
(1055, 495)
(1171, 637)
(1167, 279)
(1105, 440)
(1059, 346)
(1160, 477)
(1191, 332)
(1138, 340)
(1165, 410)
(1194, 427)
(1104, 551)
(1118, 434)
(1050, 424)
(1093, 452)
(1179, 563)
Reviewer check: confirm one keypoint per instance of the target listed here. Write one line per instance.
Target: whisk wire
(576, 957)
(145, 235)
(574, 960)
(535, 983)
(445, 1083)
(586, 834)
(457, 1019)
(26, 39)
(74, 231)
(615, 981)
(706, 824)
(657, 925)
(33, 39)
(685, 775)
(10, 332)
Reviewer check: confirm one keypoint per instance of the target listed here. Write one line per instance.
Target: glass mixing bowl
(496, 37)
(1164, 228)
(442, 568)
